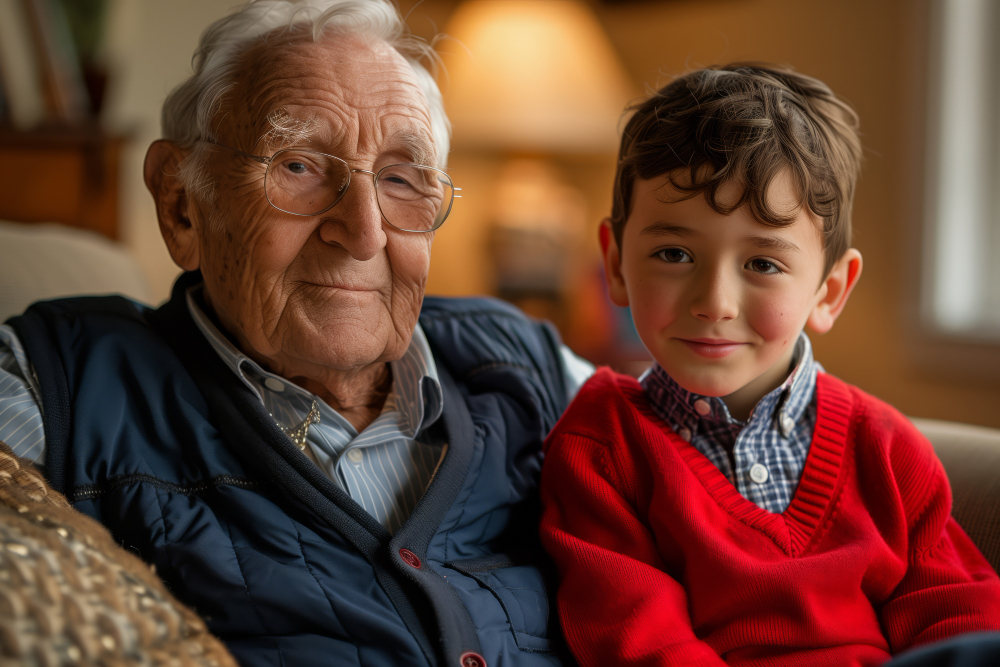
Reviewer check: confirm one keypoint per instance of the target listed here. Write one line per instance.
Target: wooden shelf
(67, 175)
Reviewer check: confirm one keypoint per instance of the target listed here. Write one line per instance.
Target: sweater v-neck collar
(822, 476)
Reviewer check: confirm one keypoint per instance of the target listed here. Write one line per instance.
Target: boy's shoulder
(603, 404)
(883, 436)
(866, 415)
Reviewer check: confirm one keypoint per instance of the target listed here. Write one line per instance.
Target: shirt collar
(416, 389)
(785, 404)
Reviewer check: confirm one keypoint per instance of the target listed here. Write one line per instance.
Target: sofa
(971, 457)
(48, 261)
(45, 261)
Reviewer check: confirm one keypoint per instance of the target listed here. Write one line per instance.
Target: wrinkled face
(719, 300)
(343, 289)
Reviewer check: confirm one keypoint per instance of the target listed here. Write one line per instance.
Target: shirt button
(702, 407)
(685, 433)
(787, 423)
(410, 558)
(274, 385)
(355, 455)
(470, 659)
(758, 473)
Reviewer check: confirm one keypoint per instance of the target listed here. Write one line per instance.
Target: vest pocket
(521, 591)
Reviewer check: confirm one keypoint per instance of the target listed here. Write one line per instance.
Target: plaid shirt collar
(782, 408)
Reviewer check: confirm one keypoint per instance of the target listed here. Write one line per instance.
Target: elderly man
(327, 467)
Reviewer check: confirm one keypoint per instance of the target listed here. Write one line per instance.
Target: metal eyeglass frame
(266, 160)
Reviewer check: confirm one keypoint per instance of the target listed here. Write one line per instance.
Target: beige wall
(149, 50)
(869, 52)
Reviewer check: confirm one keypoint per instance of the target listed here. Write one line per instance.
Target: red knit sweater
(664, 563)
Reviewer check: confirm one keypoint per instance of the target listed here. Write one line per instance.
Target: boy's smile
(719, 300)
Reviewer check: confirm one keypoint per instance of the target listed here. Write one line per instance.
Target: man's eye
(763, 266)
(296, 167)
(674, 255)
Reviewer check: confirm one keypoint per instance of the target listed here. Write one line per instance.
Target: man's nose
(355, 223)
(715, 297)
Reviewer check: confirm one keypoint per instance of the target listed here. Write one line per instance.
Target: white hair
(191, 107)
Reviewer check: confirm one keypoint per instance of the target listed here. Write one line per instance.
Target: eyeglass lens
(411, 197)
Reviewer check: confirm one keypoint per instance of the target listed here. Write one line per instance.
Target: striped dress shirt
(20, 417)
(385, 468)
(769, 449)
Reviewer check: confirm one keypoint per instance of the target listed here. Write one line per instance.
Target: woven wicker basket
(69, 595)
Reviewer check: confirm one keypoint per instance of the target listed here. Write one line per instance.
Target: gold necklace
(298, 434)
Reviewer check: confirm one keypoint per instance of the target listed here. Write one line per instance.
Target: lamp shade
(532, 75)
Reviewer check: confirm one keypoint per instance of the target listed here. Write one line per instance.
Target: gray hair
(190, 108)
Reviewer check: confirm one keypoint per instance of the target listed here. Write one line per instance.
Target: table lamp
(529, 81)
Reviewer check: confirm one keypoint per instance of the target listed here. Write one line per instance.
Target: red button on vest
(470, 659)
(410, 559)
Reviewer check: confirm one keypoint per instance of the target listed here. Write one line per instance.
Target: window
(960, 290)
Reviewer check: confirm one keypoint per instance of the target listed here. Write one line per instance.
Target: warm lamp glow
(534, 75)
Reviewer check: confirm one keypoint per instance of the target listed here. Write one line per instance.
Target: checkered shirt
(769, 449)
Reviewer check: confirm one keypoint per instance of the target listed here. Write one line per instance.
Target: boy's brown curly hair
(746, 123)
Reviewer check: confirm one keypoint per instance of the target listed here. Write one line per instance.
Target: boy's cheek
(780, 318)
(653, 311)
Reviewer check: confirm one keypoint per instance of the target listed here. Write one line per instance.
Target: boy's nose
(715, 300)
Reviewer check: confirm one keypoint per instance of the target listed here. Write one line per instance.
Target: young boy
(737, 505)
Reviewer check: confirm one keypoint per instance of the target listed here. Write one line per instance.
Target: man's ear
(162, 175)
(612, 264)
(834, 291)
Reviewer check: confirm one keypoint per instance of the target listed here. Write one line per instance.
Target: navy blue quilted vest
(150, 433)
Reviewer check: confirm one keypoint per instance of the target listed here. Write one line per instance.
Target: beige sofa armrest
(971, 457)
(48, 261)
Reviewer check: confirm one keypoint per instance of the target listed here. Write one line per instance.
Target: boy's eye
(763, 266)
(673, 255)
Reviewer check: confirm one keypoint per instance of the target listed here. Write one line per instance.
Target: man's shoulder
(71, 326)
(443, 307)
(481, 327)
(76, 323)
(491, 345)
(85, 307)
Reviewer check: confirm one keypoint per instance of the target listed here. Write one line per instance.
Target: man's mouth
(346, 287)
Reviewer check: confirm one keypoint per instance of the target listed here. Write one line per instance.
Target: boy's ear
(834, 291)
(162, 175)
(612, 264)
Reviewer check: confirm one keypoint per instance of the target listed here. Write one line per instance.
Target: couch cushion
(46, 261)
(971, 457)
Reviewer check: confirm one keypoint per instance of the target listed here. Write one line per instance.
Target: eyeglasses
(411, 197)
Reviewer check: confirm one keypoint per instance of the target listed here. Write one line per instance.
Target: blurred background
(535, 90)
